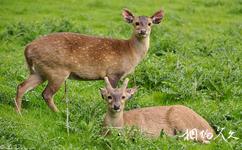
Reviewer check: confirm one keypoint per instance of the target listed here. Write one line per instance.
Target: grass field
(195, 59)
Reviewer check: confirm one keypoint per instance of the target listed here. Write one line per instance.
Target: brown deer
(59, 56)
(152, 120)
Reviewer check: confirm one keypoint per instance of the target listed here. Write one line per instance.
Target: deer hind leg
(33, 81)
(52, 87)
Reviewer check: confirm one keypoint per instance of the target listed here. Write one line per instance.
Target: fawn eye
(123, 97)
(149, 24)
(109, 97)
(136, 23)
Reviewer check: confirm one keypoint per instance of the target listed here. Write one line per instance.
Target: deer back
(182, 118)
(94, 56)
(169, 119)
(151, 120)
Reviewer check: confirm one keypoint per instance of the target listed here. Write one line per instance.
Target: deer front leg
(113, 79)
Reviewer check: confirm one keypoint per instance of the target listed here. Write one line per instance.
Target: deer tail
(29, 60)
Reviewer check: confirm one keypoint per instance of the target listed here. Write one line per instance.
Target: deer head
(142, 24)
(116, 98)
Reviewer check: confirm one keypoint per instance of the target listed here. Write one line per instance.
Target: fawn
(59, 56)
(152, 120)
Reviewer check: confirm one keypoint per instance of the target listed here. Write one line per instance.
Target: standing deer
(59, 56)
(152, 120)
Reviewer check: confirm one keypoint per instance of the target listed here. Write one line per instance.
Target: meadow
(195, 59)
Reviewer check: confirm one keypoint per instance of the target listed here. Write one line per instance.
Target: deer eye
(109, 97)
(123, 97)
(136, 23)
(149, 24)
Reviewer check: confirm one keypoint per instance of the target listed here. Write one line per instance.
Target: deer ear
(128, 16)
(157, 17)
(131, 91)
(103, 92)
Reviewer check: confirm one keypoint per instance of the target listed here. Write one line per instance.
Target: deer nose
(142, 32)
(116, 107)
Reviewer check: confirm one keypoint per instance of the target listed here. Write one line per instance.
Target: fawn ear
(157, 17)
(103, 92)
(128, 16)
(131, 91)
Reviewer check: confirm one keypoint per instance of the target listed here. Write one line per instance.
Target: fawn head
(142, 24)
(116, 97)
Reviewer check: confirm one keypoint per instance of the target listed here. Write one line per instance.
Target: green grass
(194, 60)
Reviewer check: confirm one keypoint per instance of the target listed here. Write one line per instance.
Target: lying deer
(59, 56)
(152, 120)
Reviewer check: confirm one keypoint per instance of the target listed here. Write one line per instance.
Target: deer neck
(139, 46)
(114, 119)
